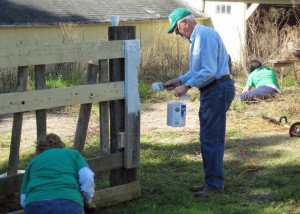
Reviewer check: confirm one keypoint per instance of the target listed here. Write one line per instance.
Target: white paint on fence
(20, 171)
(132, 60)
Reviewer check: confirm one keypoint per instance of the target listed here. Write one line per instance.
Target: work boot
(197, 188)
(207, 191)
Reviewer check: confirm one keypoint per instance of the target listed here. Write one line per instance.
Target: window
(223, 9)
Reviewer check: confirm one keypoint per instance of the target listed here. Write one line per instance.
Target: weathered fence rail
(117, 95)
(49, 54)
(55, 97)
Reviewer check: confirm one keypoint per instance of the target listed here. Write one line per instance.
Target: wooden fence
(117, 95)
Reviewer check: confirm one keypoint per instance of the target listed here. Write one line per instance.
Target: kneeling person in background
(57, 180)
(261, 83)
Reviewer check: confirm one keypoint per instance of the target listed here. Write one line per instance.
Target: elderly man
(209, 71)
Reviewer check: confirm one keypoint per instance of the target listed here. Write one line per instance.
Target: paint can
(176, 112)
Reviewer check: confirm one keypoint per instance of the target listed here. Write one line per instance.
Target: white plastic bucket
(176, 114)
(114, 20)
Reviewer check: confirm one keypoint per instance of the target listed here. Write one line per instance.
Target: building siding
(147, 32)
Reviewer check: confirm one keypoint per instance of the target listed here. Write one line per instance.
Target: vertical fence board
(85, 111)
(132, 104)
(104, 117)
(41, 117)
(13, 161)
(104, 110)
(117, 108)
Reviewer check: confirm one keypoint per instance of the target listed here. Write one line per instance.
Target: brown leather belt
(211, 84)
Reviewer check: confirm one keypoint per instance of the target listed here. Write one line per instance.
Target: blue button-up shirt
(208, 58)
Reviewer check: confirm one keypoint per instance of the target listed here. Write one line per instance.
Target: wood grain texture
(13, 161)
(48, 54)
(118, 194)
(55, 97)
(85, 111)
(132, 104)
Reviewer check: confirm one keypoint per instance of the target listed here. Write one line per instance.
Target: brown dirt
(153, 118)
(63, 123)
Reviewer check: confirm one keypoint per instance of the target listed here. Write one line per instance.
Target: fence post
(85, 111)
(117, 108)
(104, 110)
(41, 115)
(13, 161)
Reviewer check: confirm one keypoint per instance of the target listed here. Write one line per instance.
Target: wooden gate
(117, 95)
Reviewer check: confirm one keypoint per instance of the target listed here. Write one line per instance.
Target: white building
(229, 19)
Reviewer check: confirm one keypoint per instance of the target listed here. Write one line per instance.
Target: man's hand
(172, 84)
(180, 90)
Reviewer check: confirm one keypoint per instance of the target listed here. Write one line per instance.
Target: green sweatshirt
(53, 174)
(262, 77)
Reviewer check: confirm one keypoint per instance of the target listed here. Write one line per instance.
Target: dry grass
(269, 36)
(8, 79)
(164, 57)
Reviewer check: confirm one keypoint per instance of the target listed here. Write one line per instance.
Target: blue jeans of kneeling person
(260, 93)
(214, 103)
(54, 206)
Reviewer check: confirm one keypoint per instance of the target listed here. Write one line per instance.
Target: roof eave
(259, 1)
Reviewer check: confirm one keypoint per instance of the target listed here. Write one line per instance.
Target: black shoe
(207, 191)
(197, 188)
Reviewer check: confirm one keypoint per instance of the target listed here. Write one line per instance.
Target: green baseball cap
(176, 15)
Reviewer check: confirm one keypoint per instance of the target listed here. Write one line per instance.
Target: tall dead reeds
(164, 56)
(270, 36)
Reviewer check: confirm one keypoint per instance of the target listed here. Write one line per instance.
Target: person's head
(254, 64)
(47, 142)
(182, 22)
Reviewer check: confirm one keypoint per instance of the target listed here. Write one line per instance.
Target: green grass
(171, 164)
(65, 81)
(168, 170)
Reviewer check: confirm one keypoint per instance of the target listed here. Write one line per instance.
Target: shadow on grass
(168, 170)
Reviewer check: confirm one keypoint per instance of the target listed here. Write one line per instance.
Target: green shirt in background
(53, 175)
(262, 77)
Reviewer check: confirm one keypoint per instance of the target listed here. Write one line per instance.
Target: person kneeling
(57, 180)
(261, 83)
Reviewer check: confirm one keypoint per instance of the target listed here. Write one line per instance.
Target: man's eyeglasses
(176, 30)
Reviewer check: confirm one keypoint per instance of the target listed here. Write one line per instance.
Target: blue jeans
(260, 93)
(214, 103)
(54, 206)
